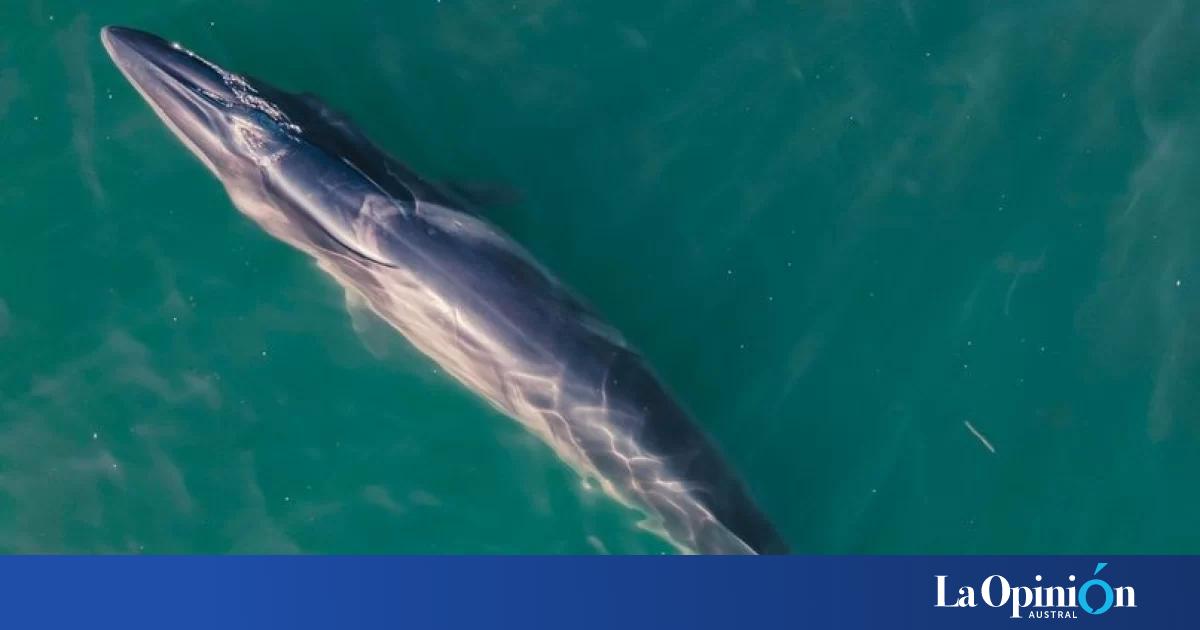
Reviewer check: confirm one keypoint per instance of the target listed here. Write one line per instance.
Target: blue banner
(603, 592)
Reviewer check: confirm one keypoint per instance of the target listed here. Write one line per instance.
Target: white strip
(976, 433)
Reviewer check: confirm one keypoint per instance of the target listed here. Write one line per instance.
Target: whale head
(235, 125)
(273, 150)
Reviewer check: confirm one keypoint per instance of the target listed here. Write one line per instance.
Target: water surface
(846, 233)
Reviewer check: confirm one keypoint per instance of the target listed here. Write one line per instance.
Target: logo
(1040, 601)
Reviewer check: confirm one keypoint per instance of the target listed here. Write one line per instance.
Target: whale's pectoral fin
(374, 333)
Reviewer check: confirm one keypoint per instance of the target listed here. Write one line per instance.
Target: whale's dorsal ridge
(466, 196)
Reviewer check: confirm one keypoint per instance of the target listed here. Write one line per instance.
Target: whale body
(455, 286)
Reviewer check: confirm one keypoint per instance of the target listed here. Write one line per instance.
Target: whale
(424, 258)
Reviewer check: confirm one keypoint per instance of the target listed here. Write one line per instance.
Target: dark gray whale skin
(455, 286)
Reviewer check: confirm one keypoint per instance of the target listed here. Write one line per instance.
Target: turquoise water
(846, 233)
